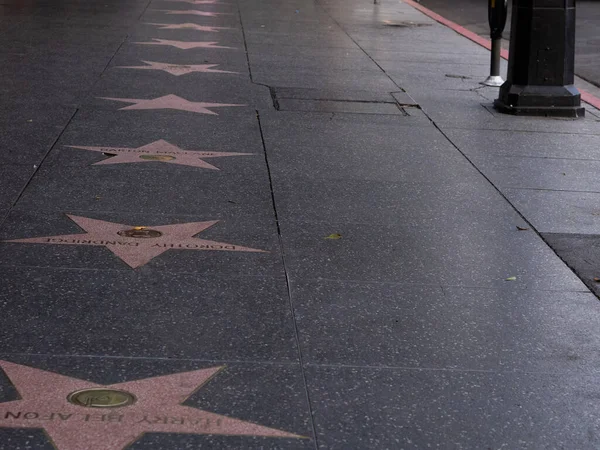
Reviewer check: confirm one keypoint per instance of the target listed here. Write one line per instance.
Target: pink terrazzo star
(182, 45)
(176, 69)
(170, 102)
(193, 12)
(157, 409)
(146, 244)
(196, 2)
(158, 151)
(189, 26)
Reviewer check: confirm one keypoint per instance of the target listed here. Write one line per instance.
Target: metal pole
(497, 13)
(541, 66)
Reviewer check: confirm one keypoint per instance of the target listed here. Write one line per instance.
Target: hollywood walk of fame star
(176, 69)
(190, 26)
(183, 45)
(170, 102)
(156, 408)
(137, 245)
(160, 151)
(193, 12)
(196, 2)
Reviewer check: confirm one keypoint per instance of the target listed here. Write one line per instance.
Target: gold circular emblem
(157, 157)
(140, 233)
(101, 398)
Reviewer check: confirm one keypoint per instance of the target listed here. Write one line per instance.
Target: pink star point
(190, 26)
(136, 251)
(176, 69)
(158, 408)
(183, 45)
(158, 151)
(170, 102)
(192, 12)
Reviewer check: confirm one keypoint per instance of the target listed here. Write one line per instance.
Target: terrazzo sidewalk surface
(285, 224)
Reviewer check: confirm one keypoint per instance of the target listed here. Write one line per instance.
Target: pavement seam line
(287, 283)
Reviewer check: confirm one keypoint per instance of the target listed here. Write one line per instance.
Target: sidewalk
(285, 225)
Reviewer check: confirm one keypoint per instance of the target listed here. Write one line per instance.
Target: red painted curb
(585, 96)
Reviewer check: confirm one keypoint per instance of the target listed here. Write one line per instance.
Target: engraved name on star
(177, 69)
(188, 26)
(193, 12)
(170, 102)
(160, 151)
(155, 406)
(183, 45)
(138, 245)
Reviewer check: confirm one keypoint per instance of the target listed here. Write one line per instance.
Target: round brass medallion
(140, 233)
(101, 398)
(157, 157)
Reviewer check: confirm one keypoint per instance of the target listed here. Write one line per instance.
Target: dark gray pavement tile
(400, 68)
(26, 143)
(278, 51)
(374, 409)
(331, 94)
(325, 78)
(13, 179)
(263, 62)
(580, 252)
(526, 144)
(155, 15)
(379, 160)
(146, 314)
(474, 257)
(235, 58)
(540, 173)
(287, 132)
(246, 230)
(458, 205)
(558, 211)
(264, 394)
(203, 87)
(342, 107)
(166, 189)
(374, 324)
(332, 39)
(230, 131)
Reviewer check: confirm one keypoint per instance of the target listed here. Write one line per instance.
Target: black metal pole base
(550, 101)
(541, 77)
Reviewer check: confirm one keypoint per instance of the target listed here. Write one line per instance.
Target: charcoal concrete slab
(203, 87)
(580, 252)
(263, 62)
(235, 58)
(413, 409)
(246, 230)
(156, 15)
(13, 179)
(540, 173)
(164, 189)
(377, 324)
(304, 52)
(526, 144)
(325, 79)
(27, 143)
(331, 94)
(341, 107)
(231, 131)
(474, 257)
(558, 211)
(332, 39)
(190, 316)
(288, 132)
(469, 205)
(278, 401)
(391, 161)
